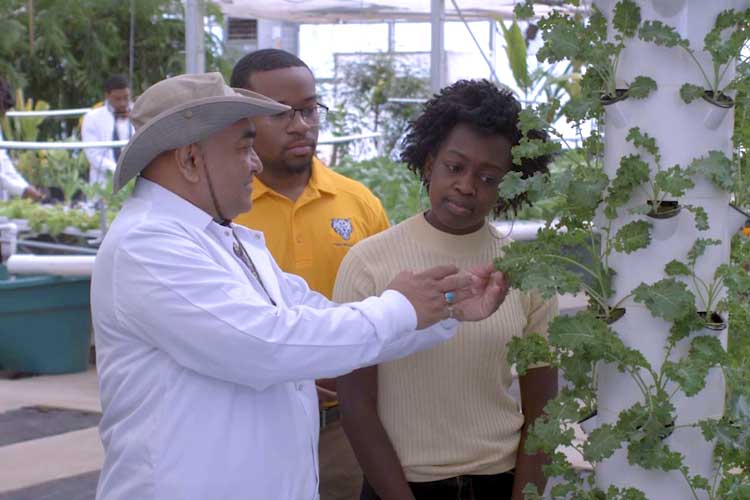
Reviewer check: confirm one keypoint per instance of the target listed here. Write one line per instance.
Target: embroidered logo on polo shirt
(343, 227)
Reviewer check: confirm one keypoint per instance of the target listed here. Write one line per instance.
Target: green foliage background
(400, 191)
(62, 52)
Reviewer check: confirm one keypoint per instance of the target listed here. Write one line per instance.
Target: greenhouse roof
(331, 11)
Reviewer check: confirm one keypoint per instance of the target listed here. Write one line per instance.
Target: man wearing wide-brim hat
(206, 351)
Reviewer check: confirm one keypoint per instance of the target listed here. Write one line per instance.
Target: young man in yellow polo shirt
(310, 215)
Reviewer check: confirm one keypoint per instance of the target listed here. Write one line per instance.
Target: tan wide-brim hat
(183, 110)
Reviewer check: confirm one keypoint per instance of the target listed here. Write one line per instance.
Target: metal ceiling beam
(195, 52)
(437, 45)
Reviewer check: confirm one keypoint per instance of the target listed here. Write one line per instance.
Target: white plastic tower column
(683, 132)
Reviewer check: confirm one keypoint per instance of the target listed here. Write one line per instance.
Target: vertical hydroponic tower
(683, 132)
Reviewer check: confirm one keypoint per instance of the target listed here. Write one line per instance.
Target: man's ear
(188, 159)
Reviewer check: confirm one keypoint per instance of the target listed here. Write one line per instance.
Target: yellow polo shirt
(309, 237)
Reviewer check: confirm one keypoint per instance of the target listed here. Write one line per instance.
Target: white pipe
(110, 144)
(60, 145)
(347, 138)
(59, 265)
(49, 112)
(518, 230)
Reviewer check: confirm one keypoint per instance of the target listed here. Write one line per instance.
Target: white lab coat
(98, 125)
(208, 389)
(11, 182)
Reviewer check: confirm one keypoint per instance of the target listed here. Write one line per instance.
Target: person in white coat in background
(11, 182)
(207, 353)
(110, 122)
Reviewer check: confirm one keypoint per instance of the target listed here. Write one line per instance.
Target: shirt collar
(170, 204)
(321, 179)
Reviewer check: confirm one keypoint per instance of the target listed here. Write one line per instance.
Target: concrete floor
(33, 463)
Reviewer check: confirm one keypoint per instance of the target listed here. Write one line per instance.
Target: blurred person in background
(109, 122)
(11, 182)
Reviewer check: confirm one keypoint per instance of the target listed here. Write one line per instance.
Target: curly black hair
(485, 107)
(6, 97)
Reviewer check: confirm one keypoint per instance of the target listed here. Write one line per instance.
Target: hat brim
(187, 124)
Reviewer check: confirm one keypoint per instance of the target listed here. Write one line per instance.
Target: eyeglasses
(313, 115)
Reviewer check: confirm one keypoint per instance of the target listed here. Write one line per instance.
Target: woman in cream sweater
(441, 424)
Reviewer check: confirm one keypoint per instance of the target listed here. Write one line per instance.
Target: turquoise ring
(449, 297)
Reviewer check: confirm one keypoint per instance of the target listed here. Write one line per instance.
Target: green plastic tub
(45, 323)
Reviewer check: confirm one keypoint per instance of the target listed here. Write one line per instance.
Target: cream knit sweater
(447, 410)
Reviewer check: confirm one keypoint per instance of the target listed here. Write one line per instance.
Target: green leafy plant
(724, 48)
(568, 37)
(710, 293)
(579, 204)
(363, 90)
(578, 345)
(26, 128)
(634, 174)
(54, 169)
(57, 53)
(548, 84)
(570, 254)
(51, 220)
(741, 138)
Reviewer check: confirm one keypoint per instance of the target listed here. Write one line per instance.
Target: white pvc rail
(61, 145)
(53, 112)
(60, 265)
(119, 144)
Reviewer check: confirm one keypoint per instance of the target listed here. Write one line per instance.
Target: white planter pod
(663, 229)
(667, 9)
(590, 424)
(715, 116)
(615, 114)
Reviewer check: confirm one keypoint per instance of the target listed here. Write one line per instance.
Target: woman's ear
(188, 159)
